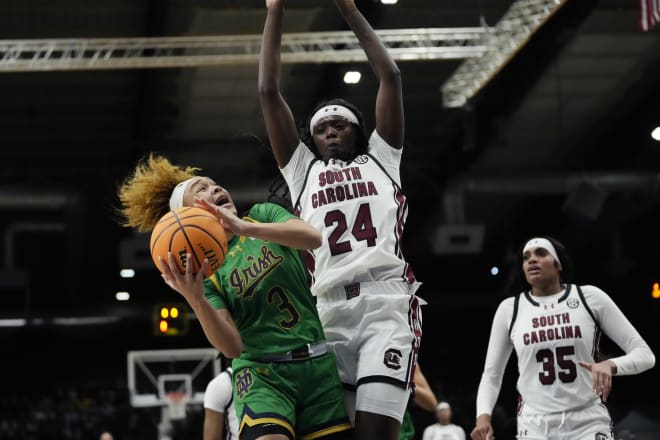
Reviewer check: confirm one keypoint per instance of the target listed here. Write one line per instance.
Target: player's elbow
(268, 90)
(392, 75)
(316, 240)
(233, 350)
(651, 359)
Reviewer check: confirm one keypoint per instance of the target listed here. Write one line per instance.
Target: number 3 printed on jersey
(362, 229)
(568, 369)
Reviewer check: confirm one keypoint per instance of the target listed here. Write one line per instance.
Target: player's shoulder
(594, 296)
(508, 302)
(589, 291)
(263, 212)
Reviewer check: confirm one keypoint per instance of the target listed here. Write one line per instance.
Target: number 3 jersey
(265, 288)
(360, 210)
(551, 335)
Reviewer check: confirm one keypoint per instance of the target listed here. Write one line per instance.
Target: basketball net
(176, 404)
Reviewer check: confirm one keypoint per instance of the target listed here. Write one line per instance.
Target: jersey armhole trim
(382, 168)
(586, 306)
(516, 301)
(309, 170)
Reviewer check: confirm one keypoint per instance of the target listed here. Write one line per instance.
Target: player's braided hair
(279, 193)
(145, 194)
(361, 140)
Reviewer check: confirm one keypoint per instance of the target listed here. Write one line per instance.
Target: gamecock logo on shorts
(392, 359)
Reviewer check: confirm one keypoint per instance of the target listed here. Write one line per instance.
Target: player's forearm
(218, 327)
(269, 57)
(425, 398)
(296, 234)
(636, 361)
(279, 121)
(380, 60)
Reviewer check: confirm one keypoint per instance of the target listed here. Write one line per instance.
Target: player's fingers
(167, 280)
(607, 387)
(202, 270)
(189, 265)
(585, 365)
(163, 265)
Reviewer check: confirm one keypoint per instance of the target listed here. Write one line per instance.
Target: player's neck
(547, 289)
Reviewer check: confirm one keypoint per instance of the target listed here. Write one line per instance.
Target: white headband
(544, 244)
(176, 199)
(332, 110)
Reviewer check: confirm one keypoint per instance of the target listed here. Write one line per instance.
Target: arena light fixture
(352, 77)
(503, 41)
(655, 134)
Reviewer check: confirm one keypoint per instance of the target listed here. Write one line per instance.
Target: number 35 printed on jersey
(559, 358)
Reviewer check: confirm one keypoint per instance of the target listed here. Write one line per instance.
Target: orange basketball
(189, 230)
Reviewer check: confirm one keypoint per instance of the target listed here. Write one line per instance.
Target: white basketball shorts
(589, 423)
(375, 335)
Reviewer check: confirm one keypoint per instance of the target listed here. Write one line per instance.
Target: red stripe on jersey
(415, 323)
(402, 208)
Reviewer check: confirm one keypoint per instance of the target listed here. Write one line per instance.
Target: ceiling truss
(164, 52)
(503, 41)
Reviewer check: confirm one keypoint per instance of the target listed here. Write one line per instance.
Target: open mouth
(222, 200)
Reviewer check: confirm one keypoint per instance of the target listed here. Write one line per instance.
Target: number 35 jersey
(360, 210)
(551, 335)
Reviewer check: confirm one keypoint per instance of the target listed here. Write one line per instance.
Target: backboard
(152, 374)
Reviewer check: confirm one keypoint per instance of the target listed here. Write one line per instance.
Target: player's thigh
(321, 412)
(592, 423)
(389, 340)
(262, 400)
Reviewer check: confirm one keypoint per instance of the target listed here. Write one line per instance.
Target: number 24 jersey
(359, 208)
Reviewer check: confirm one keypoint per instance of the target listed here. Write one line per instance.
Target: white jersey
(219, 398)
(360, 210)
(551, 335)
(443, 432)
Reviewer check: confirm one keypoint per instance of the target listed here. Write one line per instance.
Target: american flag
(649, 13)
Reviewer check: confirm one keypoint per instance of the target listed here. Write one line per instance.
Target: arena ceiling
(556, 143)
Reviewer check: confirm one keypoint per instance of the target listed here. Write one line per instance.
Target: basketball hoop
(176, 404)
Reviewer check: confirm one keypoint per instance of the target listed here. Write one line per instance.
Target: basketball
(189, 230)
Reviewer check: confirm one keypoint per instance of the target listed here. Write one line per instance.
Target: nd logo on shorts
(243, 382)
(393, 359)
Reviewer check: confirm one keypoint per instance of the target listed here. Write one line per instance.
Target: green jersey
(265, 288)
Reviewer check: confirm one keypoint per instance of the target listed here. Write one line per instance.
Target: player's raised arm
(389, 101)
(280, 123)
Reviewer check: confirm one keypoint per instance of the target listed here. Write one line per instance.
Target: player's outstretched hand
(226, 217)
(483, 429)
(187, 284)
(601, 377)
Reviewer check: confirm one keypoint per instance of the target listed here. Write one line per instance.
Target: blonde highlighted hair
(145, 194)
